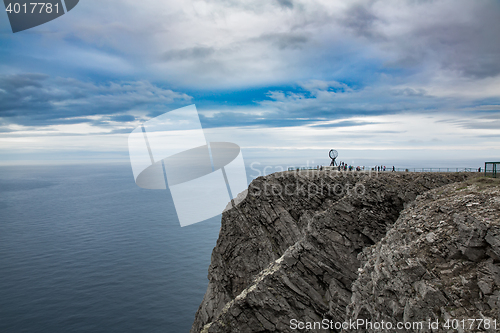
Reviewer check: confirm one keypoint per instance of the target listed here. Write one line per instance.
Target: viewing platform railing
(436, 169)
(390, 169)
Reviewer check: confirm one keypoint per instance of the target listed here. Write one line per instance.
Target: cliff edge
(440, 263)
(301, 246)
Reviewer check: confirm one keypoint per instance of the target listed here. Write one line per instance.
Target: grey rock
(458, 271)
(293, 248)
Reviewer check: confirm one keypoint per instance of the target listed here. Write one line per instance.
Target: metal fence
(491, 168)
(397, 169)
(436, 169)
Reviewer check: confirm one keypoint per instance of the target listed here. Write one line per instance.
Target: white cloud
(389, 65)
(259, 43)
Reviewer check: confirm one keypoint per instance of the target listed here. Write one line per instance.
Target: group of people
(345, 167)
(383, 168)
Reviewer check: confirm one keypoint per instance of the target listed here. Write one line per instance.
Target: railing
(435, 169)
(304, 168)
(390, 169)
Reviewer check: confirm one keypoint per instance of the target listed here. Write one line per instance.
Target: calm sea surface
(83, 249)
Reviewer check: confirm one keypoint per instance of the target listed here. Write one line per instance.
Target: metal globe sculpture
(333, 155)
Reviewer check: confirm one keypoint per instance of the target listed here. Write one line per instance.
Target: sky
(406, 83)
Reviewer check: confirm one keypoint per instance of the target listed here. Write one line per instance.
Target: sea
(84, 249)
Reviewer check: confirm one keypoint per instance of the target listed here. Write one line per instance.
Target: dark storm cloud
(360, 19)
(200, 54)
(288, 40)
(472, 47)
(122, 118)
(194, 53)
(460, 36)
(285, 3)
(36, 99)
(12, 82)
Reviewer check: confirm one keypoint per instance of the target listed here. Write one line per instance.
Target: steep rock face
(440, 261)
(289, 249)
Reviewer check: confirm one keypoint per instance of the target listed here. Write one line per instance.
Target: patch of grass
(482, 182)
(460, 188)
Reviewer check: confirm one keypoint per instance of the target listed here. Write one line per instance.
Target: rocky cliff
(307, 245)
(440, 262)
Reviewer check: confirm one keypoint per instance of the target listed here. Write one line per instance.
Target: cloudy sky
(411, 83)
